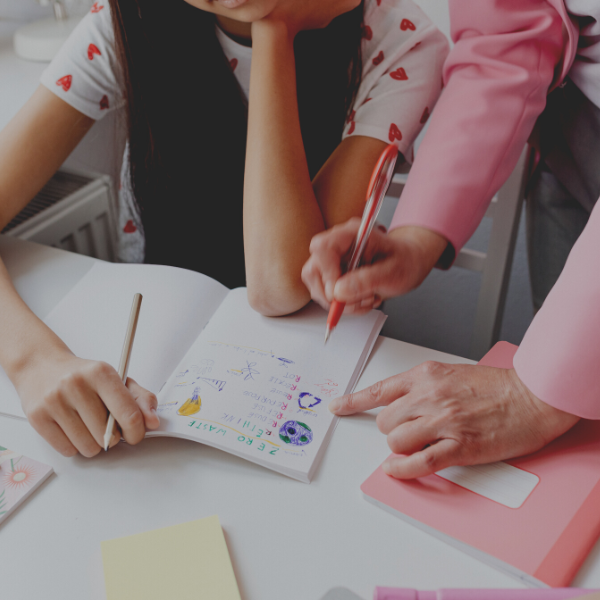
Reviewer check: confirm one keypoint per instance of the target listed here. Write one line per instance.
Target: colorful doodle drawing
(285, 362)
(19, 477)
(216, 383)
(206, 365)
(296, 433)
(247, 348)
(166, 406)
(248, 371)
(192, 405)
(204, 368)
(329, 388)
(304, 401)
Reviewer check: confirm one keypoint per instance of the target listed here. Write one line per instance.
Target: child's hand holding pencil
(66, 399)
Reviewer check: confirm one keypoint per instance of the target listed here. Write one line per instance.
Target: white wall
(440, 313)
(25, 10)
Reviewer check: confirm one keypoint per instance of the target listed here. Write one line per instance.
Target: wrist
(423, 246)
(30, 360)
(272, 30)
(553, 421)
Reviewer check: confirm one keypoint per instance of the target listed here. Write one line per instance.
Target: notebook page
(92, 319)
(259, 387)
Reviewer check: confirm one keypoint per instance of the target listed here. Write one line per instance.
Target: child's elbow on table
(276, 299)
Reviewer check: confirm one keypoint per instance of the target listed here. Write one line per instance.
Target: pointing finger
(381, 393)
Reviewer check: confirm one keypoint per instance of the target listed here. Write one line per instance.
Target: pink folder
(546, 539)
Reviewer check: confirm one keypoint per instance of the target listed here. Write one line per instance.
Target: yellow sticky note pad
(188, 562)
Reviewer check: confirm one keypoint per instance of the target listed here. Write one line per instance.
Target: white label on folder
(497, 481)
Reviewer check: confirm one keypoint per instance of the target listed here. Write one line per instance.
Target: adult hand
(439, 415)
(393, 264)
(66, 401)
(308, 14)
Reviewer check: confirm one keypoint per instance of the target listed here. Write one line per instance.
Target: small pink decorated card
(19, 478)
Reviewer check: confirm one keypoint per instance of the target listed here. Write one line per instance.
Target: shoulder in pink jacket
(508, 54)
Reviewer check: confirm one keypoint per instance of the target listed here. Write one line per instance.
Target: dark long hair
(187, 121)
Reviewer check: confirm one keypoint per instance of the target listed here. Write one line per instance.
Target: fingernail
(385, 467)
(153, 410)
(334, 405)
(329, 291)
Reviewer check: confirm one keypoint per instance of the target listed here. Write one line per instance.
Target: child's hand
(300, 15)
(66, 399)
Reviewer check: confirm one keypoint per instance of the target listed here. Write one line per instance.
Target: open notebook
(226, 376)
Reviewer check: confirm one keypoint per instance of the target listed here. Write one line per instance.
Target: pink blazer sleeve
(496, 80)
(559, 358)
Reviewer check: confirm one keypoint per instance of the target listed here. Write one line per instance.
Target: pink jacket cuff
(559, 358)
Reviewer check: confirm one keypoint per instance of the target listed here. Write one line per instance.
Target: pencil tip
(327, 333)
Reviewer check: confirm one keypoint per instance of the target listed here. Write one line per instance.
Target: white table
(287, 539)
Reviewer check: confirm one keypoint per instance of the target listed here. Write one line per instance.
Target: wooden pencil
(125, 356)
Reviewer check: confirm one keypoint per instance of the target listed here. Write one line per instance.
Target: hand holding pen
(380, 181)
(392, 264)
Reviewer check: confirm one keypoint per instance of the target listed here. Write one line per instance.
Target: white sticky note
(497, 481)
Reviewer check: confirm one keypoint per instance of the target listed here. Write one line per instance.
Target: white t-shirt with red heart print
(403, 53)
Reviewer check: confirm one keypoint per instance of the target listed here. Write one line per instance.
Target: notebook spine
(570, 550)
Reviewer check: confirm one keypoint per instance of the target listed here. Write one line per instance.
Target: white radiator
(74, 211)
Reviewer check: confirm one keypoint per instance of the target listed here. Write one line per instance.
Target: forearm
(497, 77)
(24, 338)
(33, 145)
(281, 214)
(559, 356)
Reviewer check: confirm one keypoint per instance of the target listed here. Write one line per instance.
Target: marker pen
(388, 593)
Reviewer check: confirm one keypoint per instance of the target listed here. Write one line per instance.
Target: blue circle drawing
(296, 433)
(308, 397)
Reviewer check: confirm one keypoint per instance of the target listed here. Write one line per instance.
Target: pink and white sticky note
(19, 478)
